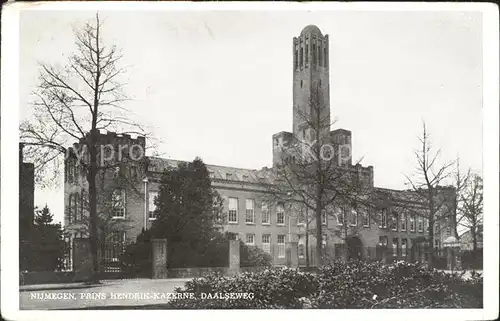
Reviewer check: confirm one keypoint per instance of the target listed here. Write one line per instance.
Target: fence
(472, 259)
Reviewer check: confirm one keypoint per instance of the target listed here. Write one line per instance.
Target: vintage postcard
(177, 157)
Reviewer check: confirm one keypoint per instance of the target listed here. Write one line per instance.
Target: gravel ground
(123, 293)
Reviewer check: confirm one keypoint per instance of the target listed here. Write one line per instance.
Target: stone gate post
(292, 254)
(159, 258)
(234, 257)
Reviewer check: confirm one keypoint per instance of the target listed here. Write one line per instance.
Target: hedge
(340, 285)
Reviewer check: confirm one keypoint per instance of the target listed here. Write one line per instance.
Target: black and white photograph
(250, 156)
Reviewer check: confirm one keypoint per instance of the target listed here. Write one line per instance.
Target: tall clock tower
(311, 83)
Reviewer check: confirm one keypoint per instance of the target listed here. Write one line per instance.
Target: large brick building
(396, 221)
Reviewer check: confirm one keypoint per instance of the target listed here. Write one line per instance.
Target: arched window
(319, 56)
(307, 54)
(70, 207)
(314, 54)
(118, 203)
(76, 207)
(82, 203)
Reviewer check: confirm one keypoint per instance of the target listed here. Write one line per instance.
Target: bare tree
(427, 182)
(73, 103)
(460, 181)
(471, 211)
(313, 172)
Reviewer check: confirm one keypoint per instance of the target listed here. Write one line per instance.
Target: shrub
(339, 285)
(136, 261)
(397, 285)
(271, 288)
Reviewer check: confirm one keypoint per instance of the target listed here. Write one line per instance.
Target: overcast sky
(219, 84)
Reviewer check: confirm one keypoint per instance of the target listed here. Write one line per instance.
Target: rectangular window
(118, 203)
(265, 214)
(403, 222)
(354, 217)
(394, 221)
(437, 243)
(404, 247)
(266, 243)
(323, 217)
(281, 246)
(412, 222)
(420, 224)
(151, 205)
(250, 239)
(383, 218)
(340, 216)
(280, 214)
(426, 225)
(249, 213)
(395, 246)
(366, 218)
(382, 240)
(301, 248)
(296, 58)
(233, 210)
(300, 218)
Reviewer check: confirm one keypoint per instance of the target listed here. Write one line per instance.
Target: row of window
(266, 243)
(319, 55)
(280, 214)
(401, 221)
(397, 247)
(250, 212)
(77, 205)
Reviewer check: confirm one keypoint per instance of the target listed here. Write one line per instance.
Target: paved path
(110, 293)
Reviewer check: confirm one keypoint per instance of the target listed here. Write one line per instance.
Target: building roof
(157, 164)
(400, 195)
(311, 29)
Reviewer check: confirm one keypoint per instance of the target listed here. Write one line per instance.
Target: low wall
(48, 277)
(195, 272)
(199, 272)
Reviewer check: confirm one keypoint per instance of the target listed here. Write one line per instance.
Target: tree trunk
(307, 240)
(91, 178)
(431, 249)
(319, 238)
(474, 237)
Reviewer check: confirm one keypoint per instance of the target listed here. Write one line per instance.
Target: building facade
(397, 221)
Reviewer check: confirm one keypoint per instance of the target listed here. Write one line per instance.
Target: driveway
(132, 292)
